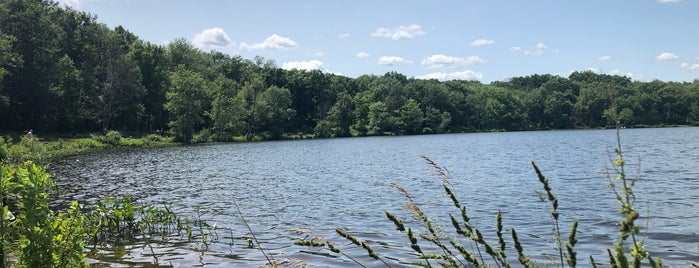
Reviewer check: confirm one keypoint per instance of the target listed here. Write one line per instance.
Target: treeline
(62, 71)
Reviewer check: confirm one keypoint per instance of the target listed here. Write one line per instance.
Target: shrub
(203, 136)
(3, 149)
(28, 148)
(154, 138)
(112, 138)
(30, 230)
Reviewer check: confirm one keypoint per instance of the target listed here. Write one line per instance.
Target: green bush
(28, 148)
(112, 138)
(154, 138)
(3, 149)
(203, 136)
(31, 232)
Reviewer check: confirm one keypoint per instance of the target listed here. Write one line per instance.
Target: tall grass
(466, 246)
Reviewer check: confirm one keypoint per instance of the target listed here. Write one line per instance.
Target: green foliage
(4, 151)
(29, 148)
(30, 230)
(114, 220)
(187, 100)
(36, 236)
(112, 138)
(629, 230)
(202, 136)
(78, 74)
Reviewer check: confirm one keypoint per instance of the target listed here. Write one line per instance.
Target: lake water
(324, 184)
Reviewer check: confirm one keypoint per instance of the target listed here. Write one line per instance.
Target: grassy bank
(18, 148)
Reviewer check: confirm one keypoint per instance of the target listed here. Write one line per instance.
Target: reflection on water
(320, 185)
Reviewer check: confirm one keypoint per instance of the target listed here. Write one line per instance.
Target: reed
(470, 248)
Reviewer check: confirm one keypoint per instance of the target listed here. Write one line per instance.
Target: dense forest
(63, 71)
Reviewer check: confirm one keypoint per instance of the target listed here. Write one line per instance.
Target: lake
(323, 184)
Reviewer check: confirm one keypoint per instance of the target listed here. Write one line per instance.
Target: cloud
(618, 72)
(482, 42)
(75, 4)
(604, 58)
(669, 1)
(362, 55)
(400, 32)
(537, 50)
(272, 42)
(343, 35)
(627, 74)
(442, 61)
(213, 37)
(465, 75)
(304, 65)
(318, 54)
(691, 67)
(666, 56)
(392, 60)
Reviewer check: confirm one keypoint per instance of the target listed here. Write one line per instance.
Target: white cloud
(637, 77)
(666, 56)
(627, 74)
(537, 50)
(669, 1)
(272, 42)
(691, 67)
(443, 61)
(604, 58)
(362, 55)
(482, 42)
(631, 75)
(400, 32)
(75, 4)
(318, 54)
(343, 35)
(392, 60)
(308, 66)
(213, 37)
(465, 75)
(304, 65)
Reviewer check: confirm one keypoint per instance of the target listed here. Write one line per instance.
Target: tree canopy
(63, 71)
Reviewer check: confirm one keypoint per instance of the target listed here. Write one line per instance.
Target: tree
(153, 62)
(228, 111)
(340, 115)
(9, 60)
(187, 101)
(247, 97)
(36, 40)
(380, 120)
(436, 121)
(66, 92)
(311, 97)
(411, 117)
(117, 103)
(274, 110)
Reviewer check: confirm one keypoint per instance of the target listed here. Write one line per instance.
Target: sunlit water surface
(324, 184)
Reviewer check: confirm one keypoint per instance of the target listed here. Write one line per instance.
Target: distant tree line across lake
(62, 71)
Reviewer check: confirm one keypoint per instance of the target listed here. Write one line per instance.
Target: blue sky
(485, 40)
